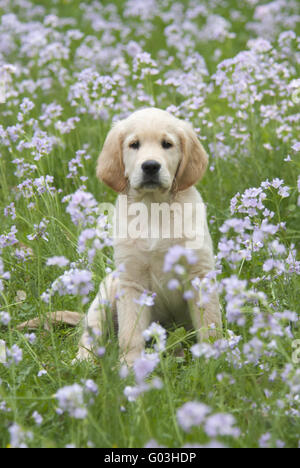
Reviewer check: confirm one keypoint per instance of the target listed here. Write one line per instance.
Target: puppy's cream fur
(182, 164)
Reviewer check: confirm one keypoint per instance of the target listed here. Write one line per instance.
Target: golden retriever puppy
(153, 160)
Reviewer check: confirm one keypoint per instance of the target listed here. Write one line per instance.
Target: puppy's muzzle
(151, 170)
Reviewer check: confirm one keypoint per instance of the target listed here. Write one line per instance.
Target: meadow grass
(261, 391)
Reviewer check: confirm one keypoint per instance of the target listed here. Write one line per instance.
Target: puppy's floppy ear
(194, 159)
(110, 166)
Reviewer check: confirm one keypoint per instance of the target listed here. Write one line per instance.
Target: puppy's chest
(144, 264)
(143, 259)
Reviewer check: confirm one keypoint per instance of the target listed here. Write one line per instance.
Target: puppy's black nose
(151, 167)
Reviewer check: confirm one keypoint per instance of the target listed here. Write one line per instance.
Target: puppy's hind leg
(95, 320)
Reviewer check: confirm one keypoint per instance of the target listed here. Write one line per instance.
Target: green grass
(112, 421)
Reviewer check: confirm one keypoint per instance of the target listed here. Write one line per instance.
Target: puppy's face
(151, 151)
(151, 155)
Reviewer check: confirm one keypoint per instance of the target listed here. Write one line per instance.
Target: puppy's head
(151, 150)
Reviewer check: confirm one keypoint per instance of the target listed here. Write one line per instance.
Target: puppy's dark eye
(166, 144)
(135, 145)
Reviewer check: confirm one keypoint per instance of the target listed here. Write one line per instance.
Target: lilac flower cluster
(159, 334)
(146, 299)
(7, 240)
(76, 164)
(4, 275)
(10, 356)
(72, 282)
(95, 239)
(82, 207)
(255, 234)
(58, 261)
(32, 187)
(39, 231)
(10, 210)
(19, 437)
(198, 414)
(175, 255)
(73, 399)
(143, 367)
(5, 318)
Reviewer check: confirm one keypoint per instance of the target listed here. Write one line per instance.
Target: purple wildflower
(175, 254)
(157, 332)
(192, 414)
(58, 261)
(146, 299)
(296, 146)
(82, 208)
(221, 425)
(4, 275)
(10, 210)
(73, 282)
(40, 231)
(19, 438)
(38, 419)
(5, 318)
(14, 355)
(144, 365)
(71, 401)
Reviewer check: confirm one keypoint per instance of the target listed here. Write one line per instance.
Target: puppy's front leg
(96, 316)
(133, 319)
